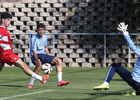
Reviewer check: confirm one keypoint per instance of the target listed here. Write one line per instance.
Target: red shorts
(8, 57)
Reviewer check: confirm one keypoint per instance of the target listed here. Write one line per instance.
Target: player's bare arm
(47, 51)
(38, 62)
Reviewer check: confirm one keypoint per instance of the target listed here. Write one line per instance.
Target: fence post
(30, 48)
(105, 50)
(53, 44)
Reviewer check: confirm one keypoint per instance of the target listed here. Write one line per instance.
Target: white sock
(106, 83)
(37, 76)
(32, 80)
(59, 76)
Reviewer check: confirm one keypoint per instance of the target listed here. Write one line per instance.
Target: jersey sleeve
(33, 45)
(46, 39)
(4, 37)
(131, 45)
(5, 43)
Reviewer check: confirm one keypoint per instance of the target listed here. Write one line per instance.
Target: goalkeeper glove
(123, 28)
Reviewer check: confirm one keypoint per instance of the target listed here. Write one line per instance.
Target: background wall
(74, 16)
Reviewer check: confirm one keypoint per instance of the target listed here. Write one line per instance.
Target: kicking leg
(21, 64)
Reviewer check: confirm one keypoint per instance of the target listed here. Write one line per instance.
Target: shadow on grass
(14, 80)
(117, 80)
(81, 71)
(103, 94)
(12, 85)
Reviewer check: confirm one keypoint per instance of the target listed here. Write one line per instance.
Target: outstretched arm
(131, 45)
(123, 28)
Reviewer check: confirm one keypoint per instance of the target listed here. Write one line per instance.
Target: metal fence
(103, 34)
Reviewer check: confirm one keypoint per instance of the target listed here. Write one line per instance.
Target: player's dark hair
(40, 25)
(5, 15)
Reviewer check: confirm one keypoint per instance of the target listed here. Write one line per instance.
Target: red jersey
(6, 55)
(5, 43)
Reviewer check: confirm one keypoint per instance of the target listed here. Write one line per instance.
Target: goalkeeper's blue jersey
(136, 71)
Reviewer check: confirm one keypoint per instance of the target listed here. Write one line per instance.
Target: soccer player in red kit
(6, 54)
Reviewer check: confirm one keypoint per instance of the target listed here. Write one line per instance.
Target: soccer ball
(46, 68)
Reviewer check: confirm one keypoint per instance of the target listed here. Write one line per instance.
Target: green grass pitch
(13, 84)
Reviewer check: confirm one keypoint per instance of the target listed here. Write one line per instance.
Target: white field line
(25, 94)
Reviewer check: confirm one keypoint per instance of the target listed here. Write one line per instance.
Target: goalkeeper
(132, 78)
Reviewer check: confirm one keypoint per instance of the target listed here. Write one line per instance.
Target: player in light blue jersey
(40, 55)
(132, 78)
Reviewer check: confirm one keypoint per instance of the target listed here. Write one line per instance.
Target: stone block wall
(73, 16)
(88, 50)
